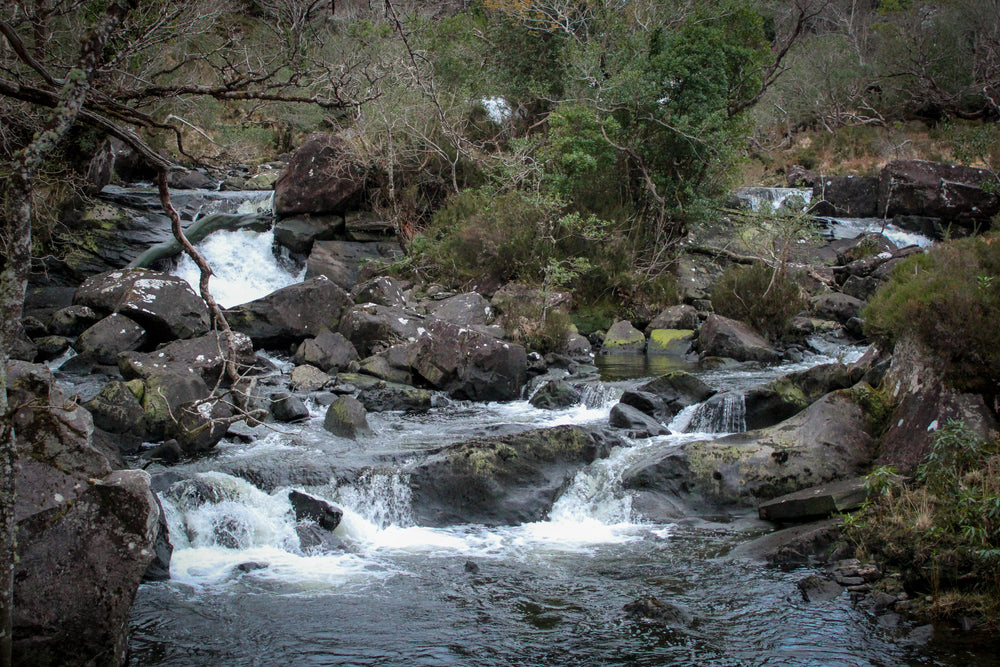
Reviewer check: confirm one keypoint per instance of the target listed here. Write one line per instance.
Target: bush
(944, 531)
(756, 295)
(948, 299)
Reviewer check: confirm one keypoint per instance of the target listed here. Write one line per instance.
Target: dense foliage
(943, 529)
(759, 296)
(949, 300)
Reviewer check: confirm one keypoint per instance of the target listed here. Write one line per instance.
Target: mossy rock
(623, 338)
(673, 342)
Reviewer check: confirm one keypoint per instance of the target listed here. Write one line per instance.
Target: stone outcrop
(951, 193)
(372, 328)
(923, 404)
(329, 351)
(85, 532)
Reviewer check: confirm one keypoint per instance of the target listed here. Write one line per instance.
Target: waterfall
(380, 497)
(773, 199)
(724, 413)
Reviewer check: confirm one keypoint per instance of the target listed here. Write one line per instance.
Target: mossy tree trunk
(16, 264)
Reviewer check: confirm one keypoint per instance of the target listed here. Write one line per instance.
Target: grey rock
(346, 417)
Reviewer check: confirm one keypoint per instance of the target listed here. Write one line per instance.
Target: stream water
(245, 591)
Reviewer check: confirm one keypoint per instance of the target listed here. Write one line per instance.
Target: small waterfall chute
(723, 413)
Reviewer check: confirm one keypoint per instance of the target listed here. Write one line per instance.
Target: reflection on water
(616, 367)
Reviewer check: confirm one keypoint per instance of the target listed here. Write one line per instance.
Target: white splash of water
(244, 265)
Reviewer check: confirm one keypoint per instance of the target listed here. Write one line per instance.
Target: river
(244, 591)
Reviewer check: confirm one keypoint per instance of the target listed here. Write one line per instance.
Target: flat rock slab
(816, 502)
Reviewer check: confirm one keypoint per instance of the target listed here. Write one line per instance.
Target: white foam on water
(243, 264)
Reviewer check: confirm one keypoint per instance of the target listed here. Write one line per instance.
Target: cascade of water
(725, 413)
(773, 199)
(244, 267)
(380, 497)
(601, 395)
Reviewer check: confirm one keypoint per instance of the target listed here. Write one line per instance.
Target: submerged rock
(556, 395)
(346, 417)
(503, 480)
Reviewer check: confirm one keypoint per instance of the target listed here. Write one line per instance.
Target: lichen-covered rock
(672, 342)
(163, 304)
(464, 310)
(503, 480)
(329, 352)
(346, 417)
(623, 338)
(79, 567)
(789, 394)
(306, 378)
(72, 320)
(382, 291)
(923, 403)
(372, 328)
(394, 396)
(722, 337)
(105, 340)
(951, 192)
(204, 356)
(836, 306)
(468, 364)
(116, 409)
(291, 314)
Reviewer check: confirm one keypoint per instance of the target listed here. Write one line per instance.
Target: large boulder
(675, 317)
(664, 396)
(329, 352)
(78, 569)
(836, 306)
(923, 404)
(789, 394)
(556, 395)
(291, 314)
(372, 328)
(469, 365)
(828, 441)
(321, 177)
(103, 342)
(85, 533)
(382, 291)
(343, 261)
(346, 418)
(636, 422)
(846, 197)
(163, 304)
(502, 480)
(722, 337)
(204, 356)
(952, 193)
(465, 310)
(116, 409)
(623, 338)
(299, 232)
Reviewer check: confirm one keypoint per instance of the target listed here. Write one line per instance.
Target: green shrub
(948, 299)
(756, 295)
(944, 531)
